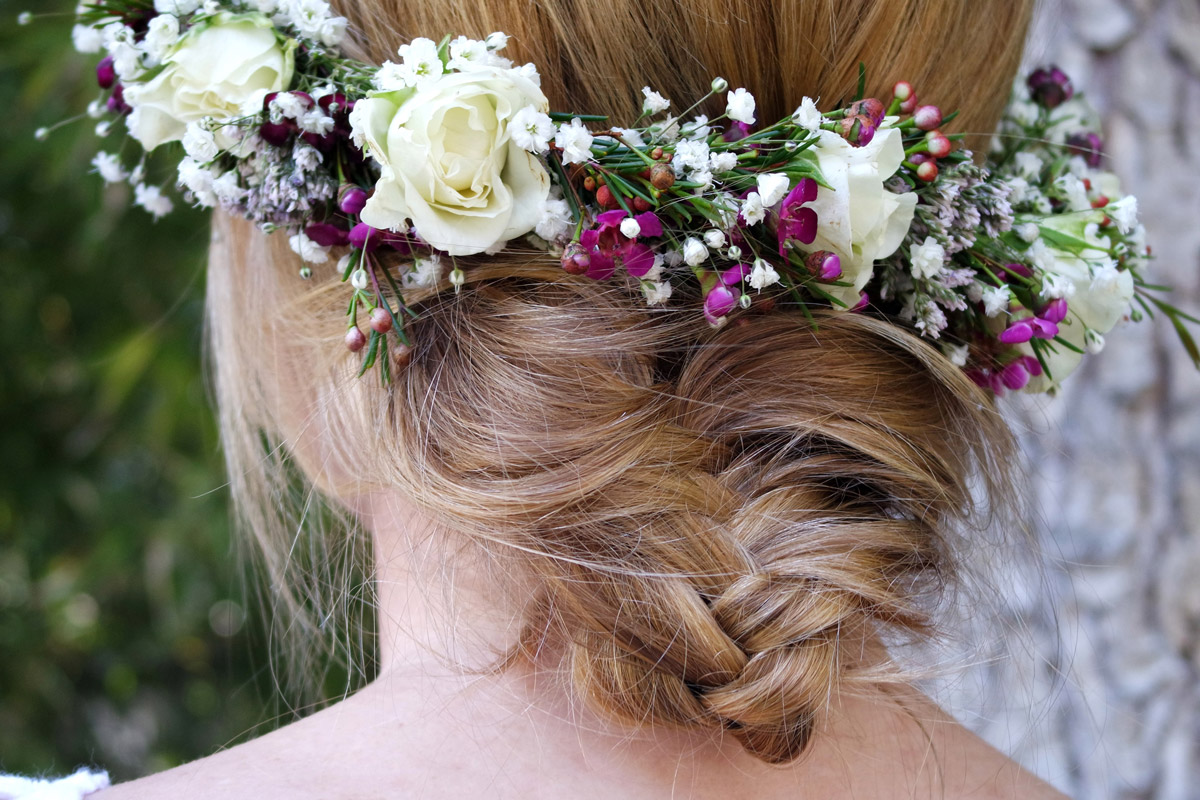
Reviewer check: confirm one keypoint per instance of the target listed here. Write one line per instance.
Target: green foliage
(121, 611)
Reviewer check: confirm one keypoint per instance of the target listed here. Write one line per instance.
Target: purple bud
(1050, 87)
(1055, 310)
(116, 101)
(825, 265)
(736, 132)
(106, 76)
(1032, 365)
(326, 234)
(927, 118)
(720, 300)
(864, 300)
(871, 109)
(1019, 269)
(1017, 333)
(1043, 329)
(1088, 145)
(918, 159)
(275, 134)
(352, 201)
(364, 237)
(1014, 376)
(735, 274)
(978, 377)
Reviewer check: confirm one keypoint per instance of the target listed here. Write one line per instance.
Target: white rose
(1093, 305)
(220, 70)
(858, 218)
(448, 161)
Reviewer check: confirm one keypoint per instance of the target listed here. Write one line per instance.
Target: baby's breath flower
(740, 106)
(654, 103)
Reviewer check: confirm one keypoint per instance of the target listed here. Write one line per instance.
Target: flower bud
(714, 238)
(358, 279)
(1050, 87)
(1014, 376)
(1088, 145)
(1055, 310)
(352, 201)
(719, 85)
(401, 354)
(575, 259)
(662, 177)
(903, 90)
(927, 117)
(939, 145)
(381, 320)
(824, 264)
(735, 274)
(305, 273)
(364, 237)
(457, 278)
(116, 101)
(870, 108)
(1017, 333)
(928, 171)
(106, 74)
(744, 301)
(734, 252)
(355, 339)
(720, 300)
(910, 105)
(1093, 341)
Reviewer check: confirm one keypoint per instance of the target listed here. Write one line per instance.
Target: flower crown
(1016, 268)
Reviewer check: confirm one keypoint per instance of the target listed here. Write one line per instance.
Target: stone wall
(1091, 674)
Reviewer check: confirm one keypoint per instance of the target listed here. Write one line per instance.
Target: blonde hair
(700, 513)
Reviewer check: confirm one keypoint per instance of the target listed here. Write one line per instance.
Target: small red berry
(641, 204)
(606, 199)
(928, 171)
(589, 183)
(903, 90)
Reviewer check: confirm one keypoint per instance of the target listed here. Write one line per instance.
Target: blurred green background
(123, 631)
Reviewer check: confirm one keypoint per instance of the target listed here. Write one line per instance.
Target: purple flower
(797, 222)
(1014, 375)
(824, 264)
(1017, 333)
(1088, 145)
(605, 244)
(736, 132)
(1055, 310)
(106, 74)
(327, 234)
(364, 237)
(719, 301)
(1050, 87)
(352, 201)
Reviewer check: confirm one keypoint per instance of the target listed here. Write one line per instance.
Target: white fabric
(73, 787)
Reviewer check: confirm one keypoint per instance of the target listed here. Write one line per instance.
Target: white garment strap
(73, 787)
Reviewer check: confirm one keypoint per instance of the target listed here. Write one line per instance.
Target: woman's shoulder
(347, 751)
